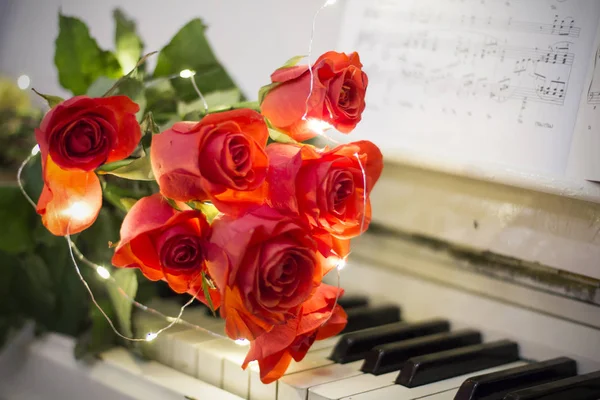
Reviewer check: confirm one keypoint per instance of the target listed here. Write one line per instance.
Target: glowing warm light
(150, 336)
(317, 126)
(242, 342)
(23, 82)
(340, 264)
(78, 210)
(103, 272)
(330, 2)
(35, 150)
(186, 73)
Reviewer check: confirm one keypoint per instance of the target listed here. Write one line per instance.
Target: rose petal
(129, 129)
(70, 200)
(249, 121)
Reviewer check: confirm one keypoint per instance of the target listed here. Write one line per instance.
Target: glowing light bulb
(23, 82)
(78, 210)
(150, 336)
(242, 342)
(340, 264)
(318, 126)
(103, 272)
(186, 73)
(35, 150)
(330, 2)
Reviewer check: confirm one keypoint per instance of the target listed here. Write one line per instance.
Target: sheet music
(484, 81)
(584, 160)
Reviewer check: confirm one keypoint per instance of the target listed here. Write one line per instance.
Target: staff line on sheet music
(560, 26)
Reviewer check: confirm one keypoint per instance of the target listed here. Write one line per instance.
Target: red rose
(275, 350)
(338, 96)
(76, 137)
(326, 188)
(221, 159)
(271, 268)
(166, 244)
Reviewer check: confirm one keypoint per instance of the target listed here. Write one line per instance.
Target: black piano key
(435, 367)
(392, 356)
(370, 316)
(355, 346)
(348, 302)
(582, 387)
(496, 385)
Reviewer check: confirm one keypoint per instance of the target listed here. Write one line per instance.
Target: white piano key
(325, 343)
(399, 392)
(185, 353)
(160, 348)
(295, 386)
(313, 359)
(235, 379)
(345, 387)
(447, 395)
(156, 374)
(211, 359)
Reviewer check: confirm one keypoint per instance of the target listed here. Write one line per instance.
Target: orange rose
(275, 350)
(167, 244)
(76, 137)
(221, 159)
(271, 268)
(338, 96)
(326, 188)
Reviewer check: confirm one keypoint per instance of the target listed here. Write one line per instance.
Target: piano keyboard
(378, 356)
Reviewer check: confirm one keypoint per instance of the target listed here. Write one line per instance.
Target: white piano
(490, 277)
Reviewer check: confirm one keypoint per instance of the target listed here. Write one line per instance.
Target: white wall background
(251, 37)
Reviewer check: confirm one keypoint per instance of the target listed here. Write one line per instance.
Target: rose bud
(325, 188)
(76, 137)
(220, 159)
(337, 98)
(316, 321)
(166, 244)
(271, 267)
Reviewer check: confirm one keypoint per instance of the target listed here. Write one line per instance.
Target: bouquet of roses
(248, 219)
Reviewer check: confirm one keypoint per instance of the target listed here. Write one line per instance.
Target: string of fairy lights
(80, 209)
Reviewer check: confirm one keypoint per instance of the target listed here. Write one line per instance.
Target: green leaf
(129, 46)
(280, 137)
(124, 78)
(292, 62)
(79, 59)
(161, 101)
(139, 169)
(208, 209)
(189, 49)
(53, 101)
(100, 336)
(172, 203)
(206, 290)
(18, 219)
(34, 288)
(127, 280)
(100, 86)
(149, 128)
(219, 100)
(93, 242)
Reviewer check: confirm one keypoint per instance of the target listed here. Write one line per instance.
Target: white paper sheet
(584, 160)
(479, 81)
